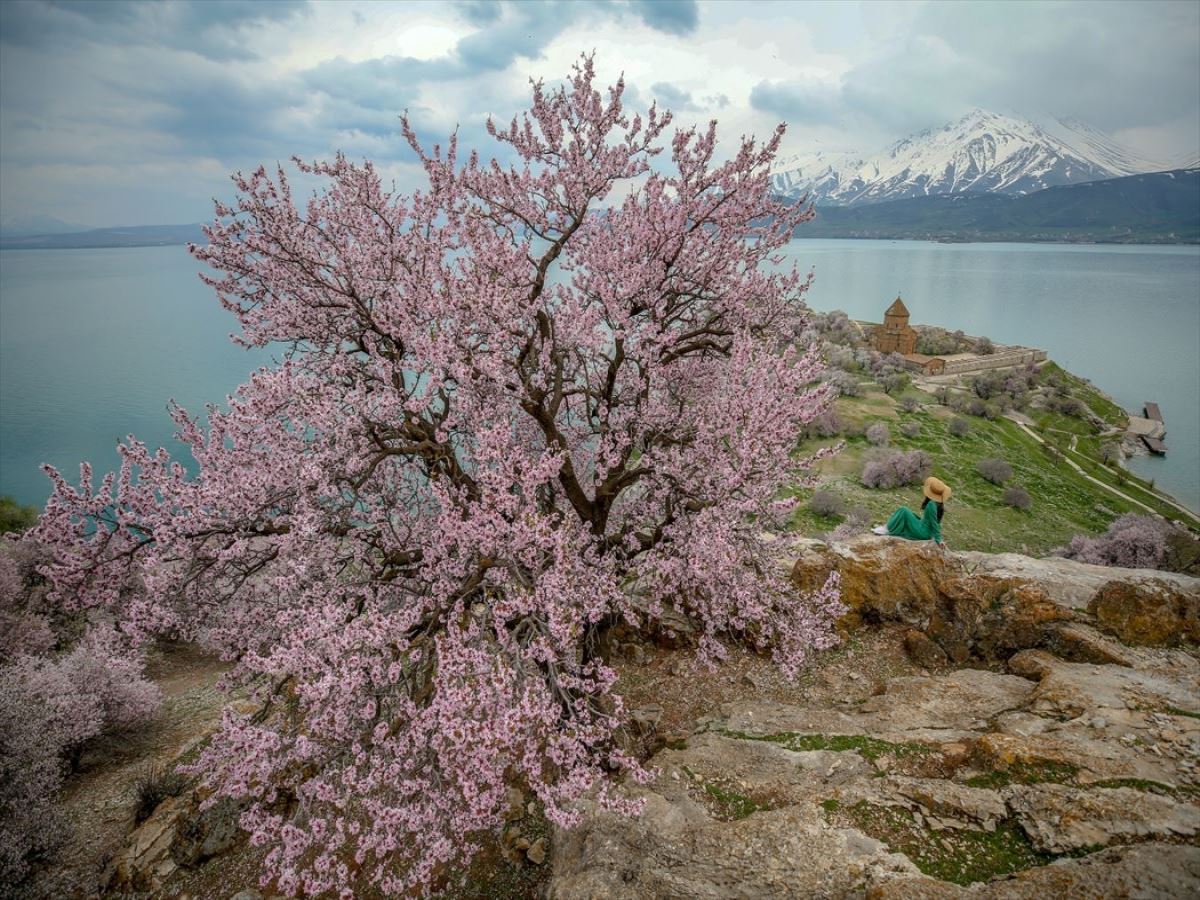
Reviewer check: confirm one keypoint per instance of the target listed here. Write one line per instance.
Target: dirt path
(99, 800)
(1070, 462)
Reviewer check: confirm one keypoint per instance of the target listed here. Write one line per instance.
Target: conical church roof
(897, 308)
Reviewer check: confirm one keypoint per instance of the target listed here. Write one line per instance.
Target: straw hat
(937, 490)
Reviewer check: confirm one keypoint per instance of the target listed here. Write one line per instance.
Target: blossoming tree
(512, 403)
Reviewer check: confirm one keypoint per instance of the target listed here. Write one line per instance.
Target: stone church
(895, 335)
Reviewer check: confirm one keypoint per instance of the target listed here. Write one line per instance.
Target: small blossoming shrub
(997, 471)
(877, 434)
(826, 503)
(51, 703)
(1017, 497)
(897, 468)
(1132, 541)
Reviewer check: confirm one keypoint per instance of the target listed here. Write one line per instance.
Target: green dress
(907, 524)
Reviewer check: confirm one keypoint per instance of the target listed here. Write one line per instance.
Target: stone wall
(1001, 359)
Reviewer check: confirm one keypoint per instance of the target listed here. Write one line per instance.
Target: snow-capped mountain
(982, 152)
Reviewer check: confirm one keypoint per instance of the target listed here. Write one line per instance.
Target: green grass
(1064, 503)
(868, 748)
(960, 856)
(1083, 389)
(1152, 787)
(730, 804)
(1026, 773)
(1176, 711)
(1128, 483)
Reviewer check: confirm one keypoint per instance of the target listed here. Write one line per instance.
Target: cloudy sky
(135, 113)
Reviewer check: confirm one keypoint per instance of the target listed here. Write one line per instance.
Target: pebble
(537, 853)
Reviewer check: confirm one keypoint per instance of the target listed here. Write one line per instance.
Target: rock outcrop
(981, 606)
(973, 775)
(1154, 612)
(1066, 764)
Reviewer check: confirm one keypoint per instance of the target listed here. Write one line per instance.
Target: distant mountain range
(129, 236)
(983, 152)
(25, 225)
(1162, 207)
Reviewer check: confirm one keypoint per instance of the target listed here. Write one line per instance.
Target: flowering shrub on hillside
(1132, 541)
(897, 468)
(51, 703)
(997, 471)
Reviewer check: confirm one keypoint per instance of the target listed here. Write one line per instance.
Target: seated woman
(907, 524)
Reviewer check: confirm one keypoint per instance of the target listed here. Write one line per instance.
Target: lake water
(93, 343)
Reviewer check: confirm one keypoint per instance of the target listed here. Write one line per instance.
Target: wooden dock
(1153, 412)
(1154, 445)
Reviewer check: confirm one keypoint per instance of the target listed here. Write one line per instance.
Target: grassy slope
(1064, 504)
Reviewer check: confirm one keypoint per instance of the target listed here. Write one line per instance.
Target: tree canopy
(534, 399)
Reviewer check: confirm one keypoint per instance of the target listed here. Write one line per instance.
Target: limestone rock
(514, 804)
(203, 834)
(644, 720)
(945, 804)
(1073, 688)
(1145, 871)
(884, 579)
(971, 605)
(1076, 753)
(937, 707)
(1154, 612)
(675, 849)
(536, 853)
(1062, 819)
(1068, 583)
(923, 651)
(985, 605)
(758, 768)
(1077, 642)
(146, 862)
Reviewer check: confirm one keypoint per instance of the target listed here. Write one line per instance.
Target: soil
(842, 676)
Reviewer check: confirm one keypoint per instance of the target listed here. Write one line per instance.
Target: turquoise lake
(93, 343)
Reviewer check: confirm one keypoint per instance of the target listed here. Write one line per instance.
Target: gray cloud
(217, 29)
(807, 102)
(122, 111)
(671, 16)
(480, 13)
(1113, 65)
(671, 96)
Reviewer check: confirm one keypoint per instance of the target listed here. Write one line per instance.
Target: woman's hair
(941, 507)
